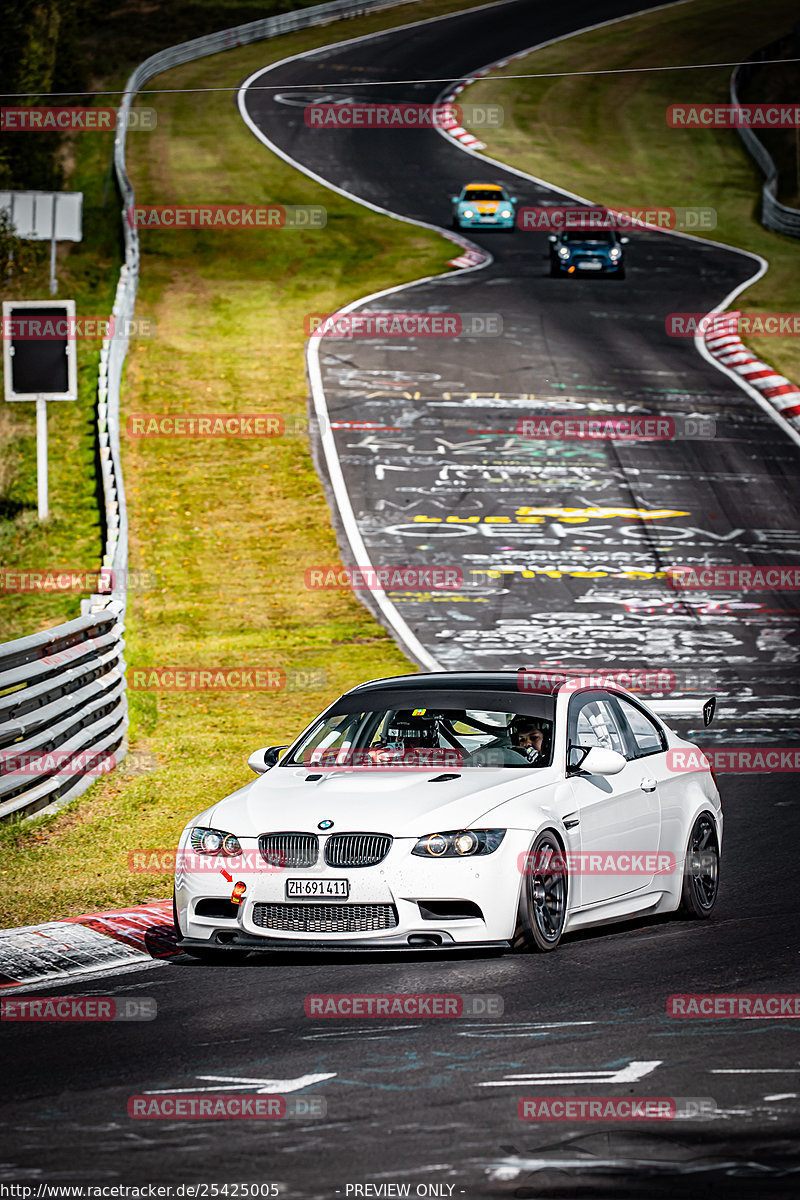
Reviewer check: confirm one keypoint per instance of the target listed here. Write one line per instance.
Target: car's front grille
(325, 918)
(356, 849)
(289, 849)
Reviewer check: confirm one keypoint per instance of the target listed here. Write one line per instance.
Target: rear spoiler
(693, 706)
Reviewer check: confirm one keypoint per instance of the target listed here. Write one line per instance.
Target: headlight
(615, 252)
(506, 212)
(468, 213)
(459, 843)
(563, 251)
(214, 841)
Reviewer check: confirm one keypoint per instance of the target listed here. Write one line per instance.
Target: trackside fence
(774, 215)
(63, 704)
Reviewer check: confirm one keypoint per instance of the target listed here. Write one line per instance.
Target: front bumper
(588, 266)
(492, 223)
(238, 941)
(401, 882)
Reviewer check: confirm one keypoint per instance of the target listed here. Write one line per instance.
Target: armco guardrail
(63, 716)
(774, 215)
(63, 706)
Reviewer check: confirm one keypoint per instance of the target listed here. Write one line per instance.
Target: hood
(589, 247)
(401, 803)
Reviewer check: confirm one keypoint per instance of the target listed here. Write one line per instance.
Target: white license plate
(317, 889)
(590, 266)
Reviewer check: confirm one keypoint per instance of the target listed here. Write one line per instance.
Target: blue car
(483, 205)
(576, 251)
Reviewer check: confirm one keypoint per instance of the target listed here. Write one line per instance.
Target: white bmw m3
(446, 810)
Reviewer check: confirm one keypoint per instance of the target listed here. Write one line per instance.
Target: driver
(531, 737)
(408, 736)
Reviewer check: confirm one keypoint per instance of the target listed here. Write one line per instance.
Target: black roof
(491, 681)
(499, 691)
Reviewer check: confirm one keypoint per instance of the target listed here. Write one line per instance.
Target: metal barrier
(63, 705)
(62, 711)
(774, 215)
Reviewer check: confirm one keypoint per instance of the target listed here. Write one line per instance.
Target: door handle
(648, 785)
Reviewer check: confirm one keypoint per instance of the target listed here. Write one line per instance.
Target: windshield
(422, 738)
(484, 194)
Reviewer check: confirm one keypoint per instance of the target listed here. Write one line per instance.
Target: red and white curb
(448, 124)
(86, 944)
(470, 258)
(725, 345)
(450, 128)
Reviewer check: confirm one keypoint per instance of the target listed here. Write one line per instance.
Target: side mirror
(552, 238)
(454, 199)
(599, 761)
(260, 761)
(623, 241)
(513, 199)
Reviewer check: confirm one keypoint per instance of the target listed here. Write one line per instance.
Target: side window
(645, 736)
(593, 722)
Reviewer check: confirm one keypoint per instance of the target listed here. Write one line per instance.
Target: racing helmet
(412, 730)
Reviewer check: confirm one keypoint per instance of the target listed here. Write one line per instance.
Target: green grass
(227, 526)
(605, 137)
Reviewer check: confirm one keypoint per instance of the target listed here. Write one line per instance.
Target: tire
(620, 273)
(543, 902)
(554, 271)
(701, 870)
(210, 955)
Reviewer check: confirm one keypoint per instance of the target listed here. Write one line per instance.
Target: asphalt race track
(443, 476)
(430, 1104)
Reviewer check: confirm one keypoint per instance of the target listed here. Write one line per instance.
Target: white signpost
(45, 216)
(40, 363)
